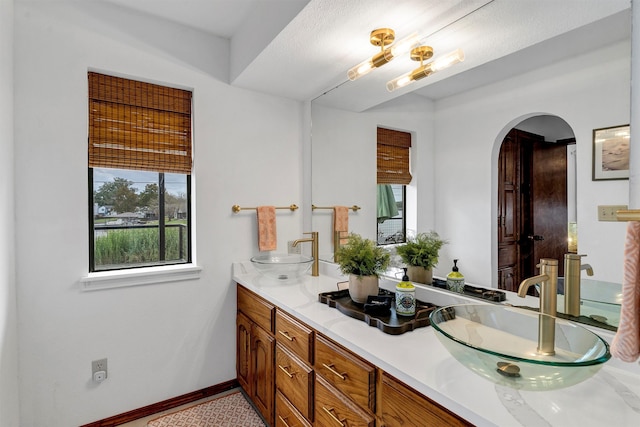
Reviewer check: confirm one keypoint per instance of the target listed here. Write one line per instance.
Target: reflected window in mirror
(393, 175)
(392, 224)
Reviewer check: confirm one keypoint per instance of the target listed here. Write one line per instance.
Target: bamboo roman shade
(137, 125)
(393, 157)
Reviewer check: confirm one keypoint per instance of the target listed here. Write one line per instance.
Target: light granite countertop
(610, 397)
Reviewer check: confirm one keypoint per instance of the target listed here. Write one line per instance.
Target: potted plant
(420, 254)
(363, 260)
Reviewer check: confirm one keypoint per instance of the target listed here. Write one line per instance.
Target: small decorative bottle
(405, 297)
(455, 279)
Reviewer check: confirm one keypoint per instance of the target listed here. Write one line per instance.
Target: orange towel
(341, 224)
(267, 238)
(340, 218)
(626, 343)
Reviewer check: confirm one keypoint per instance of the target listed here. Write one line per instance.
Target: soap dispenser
(405, 297)
(455, 279)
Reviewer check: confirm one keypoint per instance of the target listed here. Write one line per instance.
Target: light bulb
(360, 70)
(399, 82)
(447, 60)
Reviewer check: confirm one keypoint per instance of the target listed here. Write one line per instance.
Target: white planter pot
(360, 287)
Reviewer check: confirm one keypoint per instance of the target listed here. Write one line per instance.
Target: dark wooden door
(532, 206)
(549, 208)
(508, 212)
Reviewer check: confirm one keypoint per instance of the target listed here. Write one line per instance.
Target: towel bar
(628, 215)
(353, 208)
(237, 208)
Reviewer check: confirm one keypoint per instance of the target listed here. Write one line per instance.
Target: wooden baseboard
(164, 405)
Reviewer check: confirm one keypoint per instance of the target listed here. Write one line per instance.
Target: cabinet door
(400, 406)
(333, 409)
(262, 378)
(243, 352)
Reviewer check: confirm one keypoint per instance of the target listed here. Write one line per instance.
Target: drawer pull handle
(330, 412)
(286, 335)
(283, 420)
(342, 376)
(286, 371)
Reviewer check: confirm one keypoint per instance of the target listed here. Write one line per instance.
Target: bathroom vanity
(305, 363)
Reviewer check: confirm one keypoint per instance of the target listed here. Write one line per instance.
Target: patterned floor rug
(232, 410)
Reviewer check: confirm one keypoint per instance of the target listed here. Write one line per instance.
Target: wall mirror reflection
(544, 71)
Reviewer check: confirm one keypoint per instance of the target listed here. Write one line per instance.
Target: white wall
(9, 407)
(344, 165)
(161, 340)
(590, 91)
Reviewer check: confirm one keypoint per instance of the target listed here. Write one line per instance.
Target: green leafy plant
(362, 257)
(421, 250)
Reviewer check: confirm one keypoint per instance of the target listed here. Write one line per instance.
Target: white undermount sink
(500, 344)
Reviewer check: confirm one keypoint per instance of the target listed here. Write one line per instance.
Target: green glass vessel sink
(282, 266)
(500, 344)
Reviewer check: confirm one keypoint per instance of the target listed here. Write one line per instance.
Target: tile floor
(142, 422)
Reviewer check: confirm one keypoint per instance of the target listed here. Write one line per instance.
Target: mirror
(455, 145)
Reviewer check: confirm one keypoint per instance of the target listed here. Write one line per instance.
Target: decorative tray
(388, 322)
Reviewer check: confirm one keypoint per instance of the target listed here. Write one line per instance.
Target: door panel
(549, 188)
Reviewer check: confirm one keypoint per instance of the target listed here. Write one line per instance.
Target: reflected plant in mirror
(420, 254)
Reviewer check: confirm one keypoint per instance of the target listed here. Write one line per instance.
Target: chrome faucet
(548, 280)
(314, 250)
(572, 267)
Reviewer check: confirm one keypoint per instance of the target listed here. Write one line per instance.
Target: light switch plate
(608, 212)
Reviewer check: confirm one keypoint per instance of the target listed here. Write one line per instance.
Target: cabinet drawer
(287, 415)
(294, 335)
(345, 371)
(295, 380)
(255, 308)
(333, 410)
(402, 406)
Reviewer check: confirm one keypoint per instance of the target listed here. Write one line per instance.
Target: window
(139, 174)
(393, 175)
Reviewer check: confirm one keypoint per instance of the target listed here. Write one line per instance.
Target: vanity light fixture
(422, 53)
(383, 37)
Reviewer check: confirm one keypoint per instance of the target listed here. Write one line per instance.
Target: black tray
(474, 291)
(390, 323)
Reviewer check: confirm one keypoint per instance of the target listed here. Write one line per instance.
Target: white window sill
(139, 276)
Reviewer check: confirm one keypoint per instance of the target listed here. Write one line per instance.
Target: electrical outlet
(608, 212)
(293, 249)
(99, 370)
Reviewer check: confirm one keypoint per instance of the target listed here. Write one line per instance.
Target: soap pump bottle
(455, 279)
(405, 297)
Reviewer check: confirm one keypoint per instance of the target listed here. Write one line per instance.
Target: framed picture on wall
(611, 153)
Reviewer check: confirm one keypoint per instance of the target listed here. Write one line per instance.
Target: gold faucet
(548, 280)
(572, 267)
(314, 250)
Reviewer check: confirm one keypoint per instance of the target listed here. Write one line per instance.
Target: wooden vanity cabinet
(401, 406)
(297, 377)
(255, 350)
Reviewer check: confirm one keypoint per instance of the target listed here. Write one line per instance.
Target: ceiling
(302, 49)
